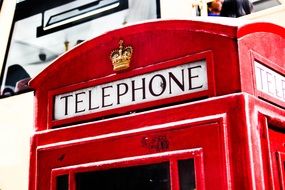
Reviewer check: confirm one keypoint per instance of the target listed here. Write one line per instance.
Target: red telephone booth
(164, 105)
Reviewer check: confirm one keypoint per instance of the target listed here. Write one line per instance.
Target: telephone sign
(179, 80)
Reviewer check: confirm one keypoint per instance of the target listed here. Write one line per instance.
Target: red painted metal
(177, 39)
(234, 132)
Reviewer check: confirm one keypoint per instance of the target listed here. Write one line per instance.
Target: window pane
(147, 177)
(186, 174)
(62, 182)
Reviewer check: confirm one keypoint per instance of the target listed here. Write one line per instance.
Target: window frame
(281, 168)
(171, 156)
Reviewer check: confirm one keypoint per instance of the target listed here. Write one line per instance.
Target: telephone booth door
(158, 155)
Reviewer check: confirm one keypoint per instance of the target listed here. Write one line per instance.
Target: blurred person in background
(236, 8)
(214, 7)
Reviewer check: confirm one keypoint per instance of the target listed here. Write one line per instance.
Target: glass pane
(147, 177)
(62, 182)
(186, 174)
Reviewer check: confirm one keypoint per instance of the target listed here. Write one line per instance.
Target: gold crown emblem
(121, 57)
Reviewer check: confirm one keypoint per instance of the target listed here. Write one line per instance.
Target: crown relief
(121, 57)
